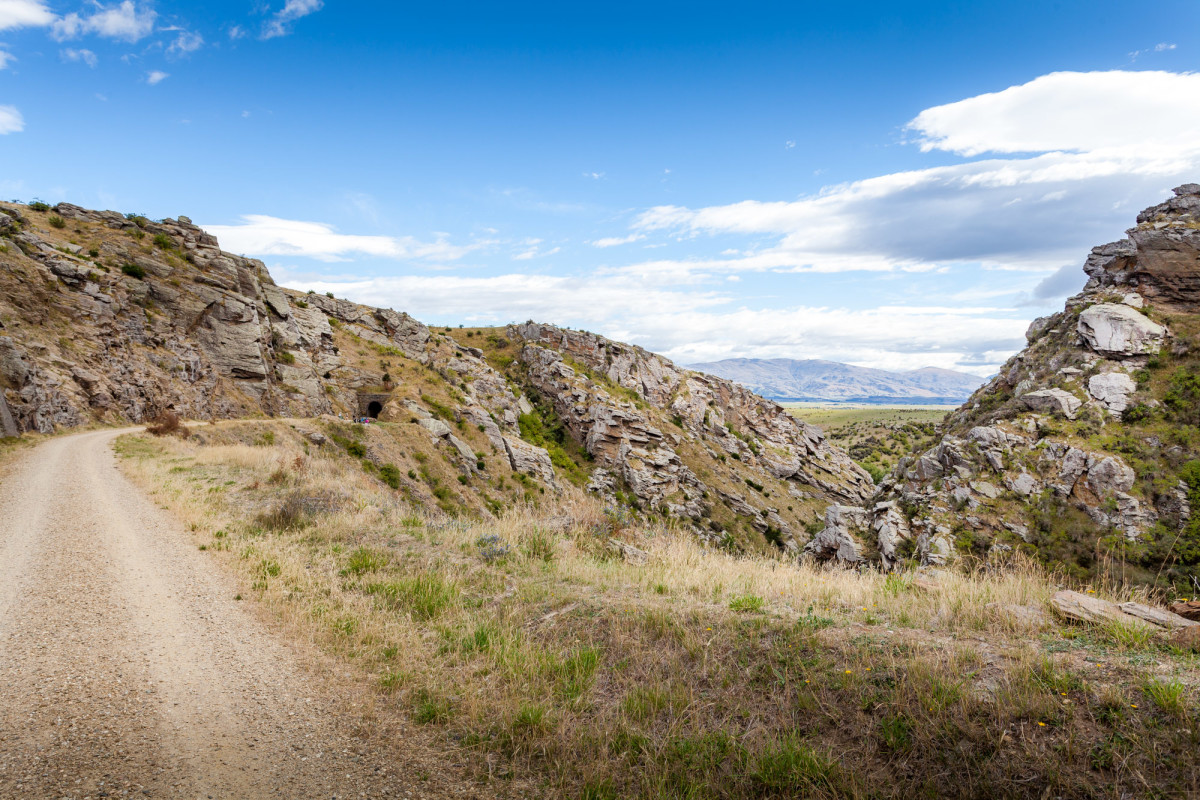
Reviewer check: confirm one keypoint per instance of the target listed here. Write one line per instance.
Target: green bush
(133, 271)
(57, 221)
(390, 474)
(1182, 397)
(38, 205)
(164, 241)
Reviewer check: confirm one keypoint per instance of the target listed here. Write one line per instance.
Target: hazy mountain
(814, 379)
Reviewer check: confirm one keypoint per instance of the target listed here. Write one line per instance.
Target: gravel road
(128, 669)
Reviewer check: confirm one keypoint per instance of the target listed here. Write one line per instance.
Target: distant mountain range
(830, 381)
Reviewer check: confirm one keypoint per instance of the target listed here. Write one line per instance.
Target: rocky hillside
(111, 318)
(1084, 450)
(817, 380)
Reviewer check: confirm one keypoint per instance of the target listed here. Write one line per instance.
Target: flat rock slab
(1085, 608)
(1161, 618)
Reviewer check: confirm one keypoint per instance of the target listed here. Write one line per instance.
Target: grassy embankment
(548, 662)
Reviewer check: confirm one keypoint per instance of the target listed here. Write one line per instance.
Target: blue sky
(894, 185)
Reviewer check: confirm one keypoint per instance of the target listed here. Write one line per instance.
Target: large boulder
(1118, 331)
(838, 540)
(1052, 401)
(1112, 390)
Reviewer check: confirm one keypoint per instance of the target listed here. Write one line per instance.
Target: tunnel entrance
(370, 404)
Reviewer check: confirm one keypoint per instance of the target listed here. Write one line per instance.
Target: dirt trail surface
(128, 669)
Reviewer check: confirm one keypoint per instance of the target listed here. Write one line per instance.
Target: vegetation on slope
(572, 654)
(876, 437)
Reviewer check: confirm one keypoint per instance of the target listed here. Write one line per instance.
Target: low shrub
(167, 424)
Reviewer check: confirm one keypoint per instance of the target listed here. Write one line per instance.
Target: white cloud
(613, 241)
(86, 56)
(24, 14)
(789, 144)
(261, 235)
(1123, 136)
(11, 120)
(237, 32)
(6, 58)
(186, 42)
(594, 175)
(280, 22)
(1161, 46)
(1115, 112)
(156, 76)
(124, 21)
(691, 326)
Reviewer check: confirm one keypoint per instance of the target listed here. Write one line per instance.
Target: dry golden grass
(564, 668)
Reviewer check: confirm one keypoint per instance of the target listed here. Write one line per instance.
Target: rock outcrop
(1080, 451)
(670, 436)
(115, 318)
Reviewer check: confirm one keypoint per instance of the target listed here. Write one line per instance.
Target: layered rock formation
(1083, 449)
(683, 441)
(112, 318)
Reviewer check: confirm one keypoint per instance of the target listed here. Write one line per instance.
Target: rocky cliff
(1084, 450)
(110, 318)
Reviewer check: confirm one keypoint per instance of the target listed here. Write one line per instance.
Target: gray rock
(1084, 608)
(837, 540)
(1109, 475)
(436, 428)
(891, 529)
(1024, 484)
(986, 489)
(529, 459)
(1119, 331)
(1158, 616)
(1112, 390)
(1052, 401)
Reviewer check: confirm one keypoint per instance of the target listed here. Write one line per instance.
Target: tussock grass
(550, 663)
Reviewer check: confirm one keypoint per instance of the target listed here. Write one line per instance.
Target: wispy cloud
(613, 241)
(261, 235)
(186, 42)
(1161, 47)
(125, 22)
(157, 76)
(24, 14)
(81, 55)
(6, 58)
(533, 250)
(11, 120)
(594, 175)
(280, 22)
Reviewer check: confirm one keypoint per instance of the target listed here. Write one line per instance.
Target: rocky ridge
(111, 318)
(1083, 451)
(830, 381)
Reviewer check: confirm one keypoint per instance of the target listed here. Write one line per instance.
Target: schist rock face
(1081, 443)
(117, 319)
